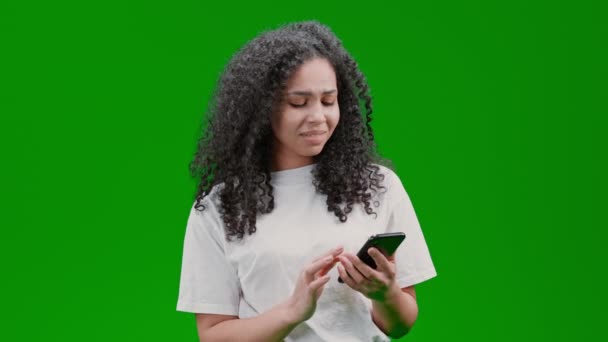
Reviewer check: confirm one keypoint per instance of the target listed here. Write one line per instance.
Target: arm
(276, 323)
(397, 314)
(394, 310)
(272, 325)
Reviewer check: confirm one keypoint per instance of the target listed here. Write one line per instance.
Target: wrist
(392, 295)
(288, 314)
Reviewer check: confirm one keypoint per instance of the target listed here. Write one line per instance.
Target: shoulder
(206, 211)
(395, 189)
(389, 175)
(386, 186)
(211, 198)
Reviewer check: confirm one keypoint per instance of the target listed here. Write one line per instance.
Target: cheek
(274, 120)
(290, 122)
(285, 125)
(334, 118)
(277, 120)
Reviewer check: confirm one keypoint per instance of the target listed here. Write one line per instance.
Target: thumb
(319, 292)
(318, 285)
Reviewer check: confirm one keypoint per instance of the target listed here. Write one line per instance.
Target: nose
(317, 113)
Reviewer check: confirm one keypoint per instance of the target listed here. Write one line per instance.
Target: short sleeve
(412, 258)
(208, 282)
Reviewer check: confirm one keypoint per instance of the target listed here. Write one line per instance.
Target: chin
(312, 151)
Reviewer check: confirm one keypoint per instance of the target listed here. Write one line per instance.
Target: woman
(288, 173)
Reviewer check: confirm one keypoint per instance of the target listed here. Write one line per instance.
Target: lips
(312, 133)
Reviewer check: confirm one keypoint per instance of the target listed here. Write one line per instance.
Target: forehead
(316, 75)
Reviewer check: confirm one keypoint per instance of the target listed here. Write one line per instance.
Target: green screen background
(493, 113)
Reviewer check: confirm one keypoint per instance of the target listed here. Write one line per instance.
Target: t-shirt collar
(299, 175)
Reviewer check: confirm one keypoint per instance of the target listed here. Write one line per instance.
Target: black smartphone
(386, 243)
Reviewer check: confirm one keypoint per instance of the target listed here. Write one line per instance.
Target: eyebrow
(308, 93)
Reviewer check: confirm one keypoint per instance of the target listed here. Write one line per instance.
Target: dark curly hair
(236, 147)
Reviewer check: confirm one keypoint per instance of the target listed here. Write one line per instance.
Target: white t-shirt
(248, 277)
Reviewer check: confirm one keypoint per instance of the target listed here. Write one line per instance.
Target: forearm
(396, 316)
(272, 325)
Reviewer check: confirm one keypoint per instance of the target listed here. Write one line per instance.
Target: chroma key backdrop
(493, 113)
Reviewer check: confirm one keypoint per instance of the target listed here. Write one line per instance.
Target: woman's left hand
(376, 284)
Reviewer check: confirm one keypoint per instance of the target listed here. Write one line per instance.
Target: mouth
(313, 138)
(312, 134)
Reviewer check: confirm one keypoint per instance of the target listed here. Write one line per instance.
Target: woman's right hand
(309, 286)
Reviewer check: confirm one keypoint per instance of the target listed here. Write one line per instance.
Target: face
(309, 104)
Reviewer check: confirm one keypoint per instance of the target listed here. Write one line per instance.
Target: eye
(295, 105)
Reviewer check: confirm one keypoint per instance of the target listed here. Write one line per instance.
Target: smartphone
(386, 243)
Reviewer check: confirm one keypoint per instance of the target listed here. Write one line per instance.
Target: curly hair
(235, 149)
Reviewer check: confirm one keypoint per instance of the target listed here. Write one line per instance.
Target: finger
(381, 261)
(333, 252)
(312, 269)
(354, 273)
(317, 283)
(346, 277)
(364, 269)
(327, 268)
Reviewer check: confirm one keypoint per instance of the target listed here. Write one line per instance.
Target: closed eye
(304, 104)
